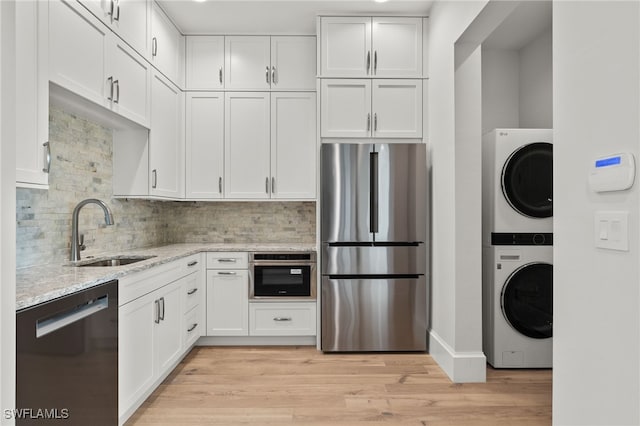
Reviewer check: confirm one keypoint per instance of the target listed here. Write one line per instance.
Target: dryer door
(527, 300)
(527, 180)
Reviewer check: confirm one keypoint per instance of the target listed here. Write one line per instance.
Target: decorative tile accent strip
(82, 168)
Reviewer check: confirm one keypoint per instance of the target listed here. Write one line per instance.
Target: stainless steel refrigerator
(374, 247)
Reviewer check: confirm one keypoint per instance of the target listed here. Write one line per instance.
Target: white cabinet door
(293, 63)
(397, 47)
(247, 62)
(345, 46)
(227, 303)
(397, 108)
(345, 107)
(131, 22)
(32, 94)
(169, 326)
(204, 145)
(130, 79)
(166, 141)
(293, 145)
(204, 62)
(165, 44)
(77, 50)
(246, 145)
(136, 346)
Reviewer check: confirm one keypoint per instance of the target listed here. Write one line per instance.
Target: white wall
(453, 310)
(596, 103)
(7, 209)
(500, 89)
(536, 83)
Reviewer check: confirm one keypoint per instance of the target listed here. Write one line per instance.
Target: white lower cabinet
(282, 319)
(228, 302)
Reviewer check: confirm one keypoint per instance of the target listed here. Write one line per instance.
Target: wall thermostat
(612, 173)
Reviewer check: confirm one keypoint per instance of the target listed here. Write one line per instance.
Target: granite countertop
(43, 283)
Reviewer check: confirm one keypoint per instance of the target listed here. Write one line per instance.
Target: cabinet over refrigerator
(374, 247)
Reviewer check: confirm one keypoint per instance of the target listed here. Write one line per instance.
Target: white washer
(517, 182)
(518, 306)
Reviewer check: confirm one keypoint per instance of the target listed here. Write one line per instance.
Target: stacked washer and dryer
(518, 247)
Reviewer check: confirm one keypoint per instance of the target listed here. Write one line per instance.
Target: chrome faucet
(76, 242)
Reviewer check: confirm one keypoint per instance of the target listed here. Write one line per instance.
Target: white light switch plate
(611, 230)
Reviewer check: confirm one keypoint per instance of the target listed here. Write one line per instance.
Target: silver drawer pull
(192, 263)
(227, 260)
(193, 327)
(282, 319)
(192, 291)
(226, 273)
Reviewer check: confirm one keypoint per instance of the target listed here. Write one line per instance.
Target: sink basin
(114, 261)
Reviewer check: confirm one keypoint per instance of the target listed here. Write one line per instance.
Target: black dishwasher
(67, 360)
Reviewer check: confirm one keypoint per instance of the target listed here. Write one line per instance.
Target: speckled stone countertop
(40, 284)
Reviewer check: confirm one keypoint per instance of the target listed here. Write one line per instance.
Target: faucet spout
(75, 240)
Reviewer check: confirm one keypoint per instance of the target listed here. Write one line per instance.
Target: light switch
(612, 230)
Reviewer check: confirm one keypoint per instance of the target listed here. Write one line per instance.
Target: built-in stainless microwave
(282, 274)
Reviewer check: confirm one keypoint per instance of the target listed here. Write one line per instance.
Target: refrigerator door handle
(373, 192)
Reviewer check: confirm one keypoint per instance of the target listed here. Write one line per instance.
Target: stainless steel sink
(113, 261)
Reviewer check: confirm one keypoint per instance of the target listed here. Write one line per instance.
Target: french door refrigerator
(374, 247)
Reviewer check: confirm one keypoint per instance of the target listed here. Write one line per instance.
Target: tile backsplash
(82, 168)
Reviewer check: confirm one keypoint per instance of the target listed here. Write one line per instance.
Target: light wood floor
(300, 385)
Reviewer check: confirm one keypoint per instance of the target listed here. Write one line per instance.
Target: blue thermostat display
(611, 161)
(612, 173)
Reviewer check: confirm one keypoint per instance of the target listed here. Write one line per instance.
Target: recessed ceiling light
(199, 1)
(380, 1)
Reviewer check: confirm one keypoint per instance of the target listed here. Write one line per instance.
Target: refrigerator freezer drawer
(361, 315)
(374, 260)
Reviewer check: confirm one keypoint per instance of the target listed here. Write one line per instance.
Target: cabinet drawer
(192, 327)
(282, 319)
(193, 293)
(227, 260)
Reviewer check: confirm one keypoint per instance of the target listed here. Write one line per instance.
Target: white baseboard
(257, 341)
(461, 367)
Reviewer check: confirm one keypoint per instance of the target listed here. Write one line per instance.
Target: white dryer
(518, 306)
(517, 183)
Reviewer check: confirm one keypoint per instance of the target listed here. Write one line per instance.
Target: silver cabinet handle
(220, 184)
(157, 304)
(282, 319)
(116, 83)
(154, 178)
(193, 327)
(266, 185)
(111, 6)
(117, 17)
(192, 291)
(162, 309)
(273, 185)
(368, 61)
(227, 260)
(267, 76)
(154, 46)
(375, 62)
(226, 273)
(273, 75)
(220, 75)
(47, 157)
(110, 81)
(368, 121)
(193, 263)
(375, 122)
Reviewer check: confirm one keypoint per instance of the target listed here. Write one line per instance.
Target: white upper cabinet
(247, 62)
(247, 147)
(128, 18)
(204, 145)
(32, 94)
(364, 108)
(293, 145)
(270, 63)
(370, 47)
(293, 63)
(204, 62)
(166, 140)
(167, 52)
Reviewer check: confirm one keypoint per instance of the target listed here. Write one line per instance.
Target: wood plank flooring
(303, 386)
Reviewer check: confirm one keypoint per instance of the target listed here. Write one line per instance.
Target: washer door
(527, 180)
(527, 300)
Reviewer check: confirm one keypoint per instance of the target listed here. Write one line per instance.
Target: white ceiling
(275, 16)
(528, 20)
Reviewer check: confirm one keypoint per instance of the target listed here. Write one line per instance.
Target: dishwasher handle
(68, 317)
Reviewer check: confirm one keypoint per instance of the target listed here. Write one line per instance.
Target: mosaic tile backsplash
(82, 168)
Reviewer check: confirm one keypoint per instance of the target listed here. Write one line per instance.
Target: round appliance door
(527, 180)
(527, 300)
